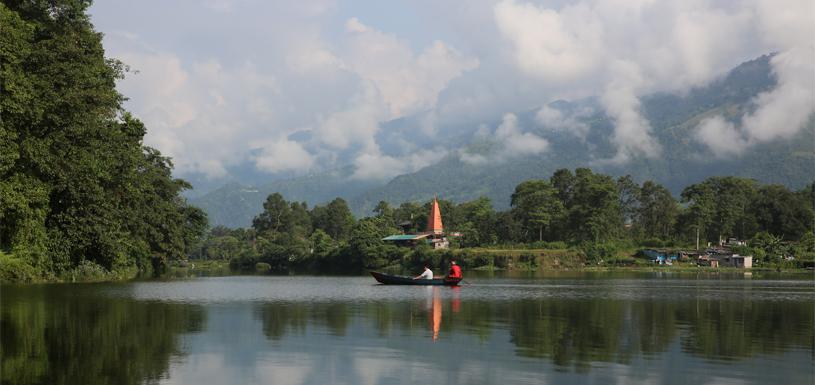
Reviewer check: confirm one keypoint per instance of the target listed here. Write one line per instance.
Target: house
(434, 236)
(729, 242)
(723, 257)
(661, 256)
(706, 260)
(735, 260)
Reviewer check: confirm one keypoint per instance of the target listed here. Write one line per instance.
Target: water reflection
(54, 336)
(345, 330)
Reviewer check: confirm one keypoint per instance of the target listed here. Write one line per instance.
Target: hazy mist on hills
(567, 134)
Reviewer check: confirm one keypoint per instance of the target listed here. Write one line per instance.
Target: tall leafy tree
(535, 203)
(275, 216)
(781, 212)
(593, 209)
(76, 184)
(719, 207)
(629, 198)
(476, 220)
(657, 211)
(338, 219)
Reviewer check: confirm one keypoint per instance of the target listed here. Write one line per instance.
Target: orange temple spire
(434, 219)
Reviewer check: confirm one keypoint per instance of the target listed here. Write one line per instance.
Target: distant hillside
(234, 205)
(672, 117)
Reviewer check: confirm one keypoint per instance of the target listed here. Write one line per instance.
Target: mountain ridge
(673, 119)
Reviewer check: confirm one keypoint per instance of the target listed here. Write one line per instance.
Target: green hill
(234, 205)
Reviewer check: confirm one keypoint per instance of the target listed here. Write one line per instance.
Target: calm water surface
(562, 328)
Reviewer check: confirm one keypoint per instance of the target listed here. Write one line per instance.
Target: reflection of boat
(388, 279)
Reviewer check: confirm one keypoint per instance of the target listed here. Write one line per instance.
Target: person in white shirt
(427, 274)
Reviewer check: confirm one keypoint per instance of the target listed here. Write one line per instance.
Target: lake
(556, 328)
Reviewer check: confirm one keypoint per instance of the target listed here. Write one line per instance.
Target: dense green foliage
(78, 190)
(592, 215)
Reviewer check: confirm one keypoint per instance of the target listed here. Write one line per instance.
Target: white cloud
(784, 111)
(516, 142)
(780, 113)
(376, 166)
(624, 49)
(632, 132)
(553, 119)
(197, 114)
(555, 46)
(283, 155)
(210, 92)
(357, 123)
(511, 142)
(408, 83)
(721, 136)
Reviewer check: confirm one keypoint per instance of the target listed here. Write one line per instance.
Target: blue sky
(299, 87)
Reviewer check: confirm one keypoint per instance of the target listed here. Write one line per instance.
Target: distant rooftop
(404, 237)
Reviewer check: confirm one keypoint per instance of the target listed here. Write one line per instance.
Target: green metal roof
(404, 237)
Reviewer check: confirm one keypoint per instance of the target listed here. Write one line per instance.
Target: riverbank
(13, 270)
(16, 270)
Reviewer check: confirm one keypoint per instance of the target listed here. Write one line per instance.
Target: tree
(383, 210)
(338, 219)
(719, 207)
(476, 222)
(535, 203)
(366, 241)
(321, 244)
(781, 212)
(657, 211)
(630, 198)
(275, 216)
(299, 220)
(76, 184)
(593, 208)
(410, 212)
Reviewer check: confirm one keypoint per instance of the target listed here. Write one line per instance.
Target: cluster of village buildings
(713, 256)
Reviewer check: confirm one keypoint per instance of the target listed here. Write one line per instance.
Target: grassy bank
(198, 268)
(17, 269)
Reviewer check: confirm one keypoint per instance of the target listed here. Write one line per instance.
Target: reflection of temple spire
(436, 313)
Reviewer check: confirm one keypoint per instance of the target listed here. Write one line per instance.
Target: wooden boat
(388, 279)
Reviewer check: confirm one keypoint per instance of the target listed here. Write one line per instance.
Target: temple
(434, 236)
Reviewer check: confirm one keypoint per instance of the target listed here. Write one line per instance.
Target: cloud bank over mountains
(295, 88)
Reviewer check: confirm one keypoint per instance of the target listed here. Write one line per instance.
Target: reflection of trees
(65, 339)
(575, 333)
(279, 318)
(572, 333)
(568, 331)
(736, 329)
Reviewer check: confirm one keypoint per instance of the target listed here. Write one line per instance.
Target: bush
(16, 270)
(557, 245)
(88, 271)
(653, 242)
(263, 267)
(620, 261)
(596, 252)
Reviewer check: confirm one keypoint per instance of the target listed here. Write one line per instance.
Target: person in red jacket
(455, 271)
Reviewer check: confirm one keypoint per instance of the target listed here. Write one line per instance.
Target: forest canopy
(592, 214)
(79, 192)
